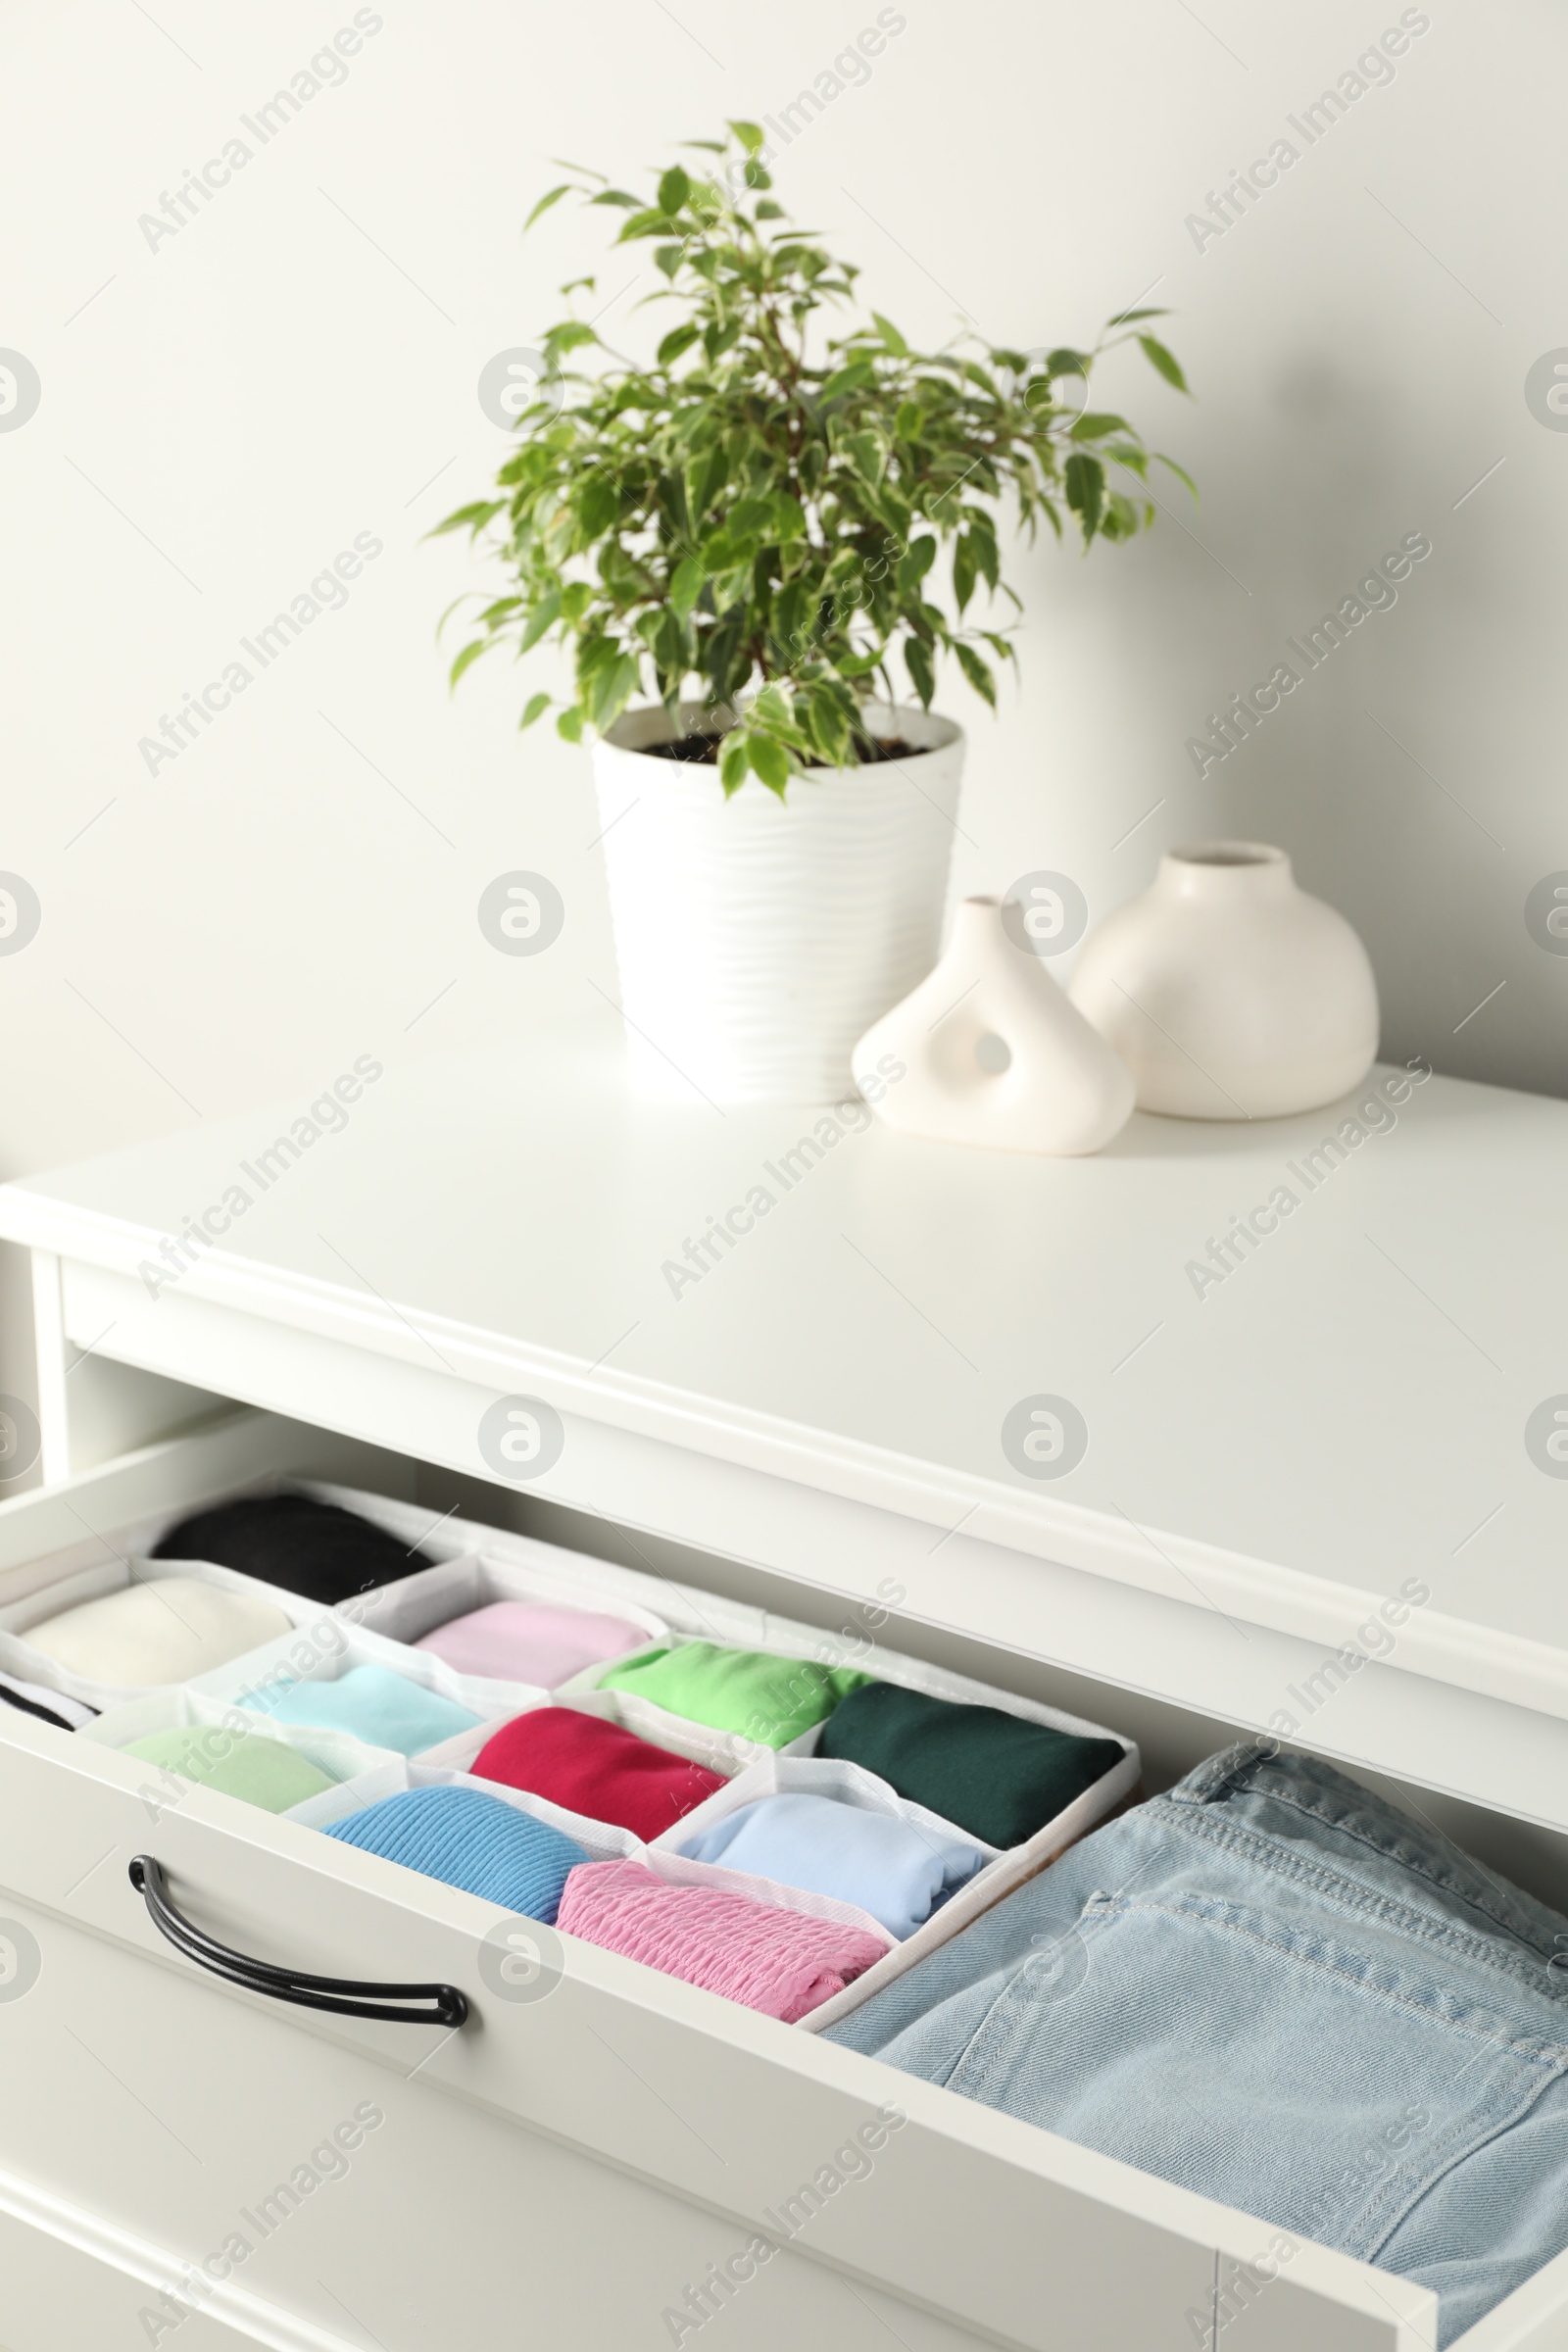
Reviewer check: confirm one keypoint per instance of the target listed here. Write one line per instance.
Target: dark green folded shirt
(998, 1776)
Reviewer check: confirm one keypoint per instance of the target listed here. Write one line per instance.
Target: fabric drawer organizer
(270, 1687)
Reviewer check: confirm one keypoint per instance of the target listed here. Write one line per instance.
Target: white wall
(220, 414)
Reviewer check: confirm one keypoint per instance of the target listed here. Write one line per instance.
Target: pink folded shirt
(529, 1642)
(785, 1962)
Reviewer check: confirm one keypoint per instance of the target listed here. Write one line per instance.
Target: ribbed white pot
(758, 938)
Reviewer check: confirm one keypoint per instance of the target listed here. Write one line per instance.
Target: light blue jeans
(1270, 1986)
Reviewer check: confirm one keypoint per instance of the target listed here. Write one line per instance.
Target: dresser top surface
(1349, 1400)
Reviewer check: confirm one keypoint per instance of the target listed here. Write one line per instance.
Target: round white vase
(1229, 993)
(758, 938)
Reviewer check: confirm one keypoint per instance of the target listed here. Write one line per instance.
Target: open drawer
(599, 2157)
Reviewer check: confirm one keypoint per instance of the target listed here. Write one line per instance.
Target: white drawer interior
(627, 2111)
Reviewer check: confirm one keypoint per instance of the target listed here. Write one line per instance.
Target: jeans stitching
(1355, 1896)
(1405, 1856)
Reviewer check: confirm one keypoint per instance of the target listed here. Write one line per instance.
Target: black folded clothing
(314, 1549)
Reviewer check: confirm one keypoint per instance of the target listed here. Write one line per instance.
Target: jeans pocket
(1320, 2080)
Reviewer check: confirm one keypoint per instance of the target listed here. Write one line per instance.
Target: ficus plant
(765, 513)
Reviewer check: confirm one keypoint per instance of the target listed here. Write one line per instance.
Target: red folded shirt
(594, 1767)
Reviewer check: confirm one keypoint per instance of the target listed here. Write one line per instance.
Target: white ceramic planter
(1049, 1083)
(1228, 991)
(757, 939)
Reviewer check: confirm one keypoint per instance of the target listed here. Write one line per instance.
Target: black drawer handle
(445, 2005)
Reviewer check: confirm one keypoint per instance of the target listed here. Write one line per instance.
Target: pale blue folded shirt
(382, 1708)
(887, 1865)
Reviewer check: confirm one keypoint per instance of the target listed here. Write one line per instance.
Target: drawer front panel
(587, 2156)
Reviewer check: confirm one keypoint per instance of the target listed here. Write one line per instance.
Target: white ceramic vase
(757, 937)
(989, 1050)
(1228, 991)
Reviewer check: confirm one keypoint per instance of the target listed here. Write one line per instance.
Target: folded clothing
(382, 1708)
(162, 1629)
(1272, 1988)
(472, 1840)
(769, 1699)
(785, 1962)
(595, 1768)
(895, 1869)
(529, 1642)
(50, 1706)
(244, 1764)
(315, 1548)
(998, 1776)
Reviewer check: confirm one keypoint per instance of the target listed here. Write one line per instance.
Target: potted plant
(748, 531)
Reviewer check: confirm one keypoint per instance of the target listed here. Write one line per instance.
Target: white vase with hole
(1229, 993)
(755, 938)
(991, 1052)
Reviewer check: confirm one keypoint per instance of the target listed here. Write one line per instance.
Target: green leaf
(569, 726)
(917, 661)
(679, 338)
(864, 453)
(750, 137)
(1126, 317)
(616, 196)
(1180, 471)
(668, 257)
(545, 202)
(963, 569)
(890, 336)
(534, 708)
(1094, 427)
(734, 764)
(471, 519)
(674, 189)
(568, 336)
(1085, 480)
(467, 657)
(977, 674)
(686, 585)
(914, 562)
(1159, 357)
(771, 762)
(767, 210)
(544, 616)
(847, 379)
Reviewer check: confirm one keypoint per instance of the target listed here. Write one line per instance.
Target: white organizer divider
(360, 1774)
(80, 1583)
(416, 1604)
(332, 1648)
(606, 1841)
(753, 1769)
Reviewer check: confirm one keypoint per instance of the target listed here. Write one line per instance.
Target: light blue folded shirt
(382, 1708)
(893, 1868)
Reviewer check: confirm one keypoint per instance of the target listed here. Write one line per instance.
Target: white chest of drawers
(852, 1374)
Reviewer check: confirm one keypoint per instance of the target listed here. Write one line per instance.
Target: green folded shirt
(769, 1699)
(998, 1776)
(244, 1764)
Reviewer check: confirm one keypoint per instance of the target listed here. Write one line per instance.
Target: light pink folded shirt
(785, 1962)
(531, 1642)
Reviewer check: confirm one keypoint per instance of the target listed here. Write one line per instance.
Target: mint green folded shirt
(244, 1764)
(382, 1708)
(769, 1699)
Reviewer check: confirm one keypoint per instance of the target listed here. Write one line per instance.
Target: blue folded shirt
(893, 1868)
(382, 1708)
(472, 1840)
